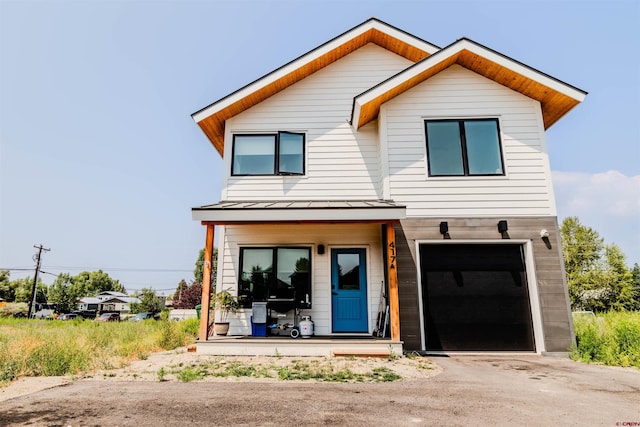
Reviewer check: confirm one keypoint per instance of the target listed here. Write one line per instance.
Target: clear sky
(101, 162)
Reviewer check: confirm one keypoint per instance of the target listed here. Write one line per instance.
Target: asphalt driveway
(471, 390)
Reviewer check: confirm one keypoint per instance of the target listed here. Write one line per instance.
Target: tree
(62, 294)
(22, 290)
(189, 297)
(597, 276)
(198, 272)
(581, 247)
(619, 278)
(635, 275)
(149, 302)
(6, 291)
(181, 287)
(92, 283)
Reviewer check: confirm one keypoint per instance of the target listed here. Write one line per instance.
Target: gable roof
(112, 293)
(555, 96)
(211, 119)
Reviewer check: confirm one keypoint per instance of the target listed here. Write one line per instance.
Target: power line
(141, 270)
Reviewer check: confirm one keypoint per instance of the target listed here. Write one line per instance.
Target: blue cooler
(259, 328)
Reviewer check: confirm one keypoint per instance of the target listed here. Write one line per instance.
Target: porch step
(337, 347)
(361, 353)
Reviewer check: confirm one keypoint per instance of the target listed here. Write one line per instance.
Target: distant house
(107, 301)
(380, 164)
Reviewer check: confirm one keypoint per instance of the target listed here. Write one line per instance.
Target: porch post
(392, 273)
(206, 284)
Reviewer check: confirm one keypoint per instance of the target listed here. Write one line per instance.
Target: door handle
(334, 293)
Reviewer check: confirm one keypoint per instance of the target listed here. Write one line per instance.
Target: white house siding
(332, 236)
(459, 93)
(340, 162)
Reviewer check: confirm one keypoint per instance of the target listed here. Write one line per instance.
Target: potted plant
(224, 303)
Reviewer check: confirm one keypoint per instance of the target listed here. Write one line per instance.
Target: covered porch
(309, 219)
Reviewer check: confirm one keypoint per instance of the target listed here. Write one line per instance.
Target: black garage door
(475, 297)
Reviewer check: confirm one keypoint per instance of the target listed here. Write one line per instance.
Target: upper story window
(464, 147)
(268, 154)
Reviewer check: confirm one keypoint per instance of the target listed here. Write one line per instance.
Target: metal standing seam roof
(300, 204)
(299, 210)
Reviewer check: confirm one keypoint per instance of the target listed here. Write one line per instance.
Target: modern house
(380, 164)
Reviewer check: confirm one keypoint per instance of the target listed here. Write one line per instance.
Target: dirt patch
(167, 366)
(28, 385)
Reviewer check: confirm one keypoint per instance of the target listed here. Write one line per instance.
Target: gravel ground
(456, 391)
(147, 370)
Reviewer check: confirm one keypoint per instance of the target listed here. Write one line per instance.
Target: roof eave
(230, 212)
(556, 97)
(211, 119)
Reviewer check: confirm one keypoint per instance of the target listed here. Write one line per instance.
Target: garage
(475, 297)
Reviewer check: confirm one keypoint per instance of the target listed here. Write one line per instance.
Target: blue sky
(101, 162)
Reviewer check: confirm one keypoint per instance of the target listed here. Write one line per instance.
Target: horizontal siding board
(458, 93)
(320, 105)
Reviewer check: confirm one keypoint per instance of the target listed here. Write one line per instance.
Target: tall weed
(611, 338)
(45, 348)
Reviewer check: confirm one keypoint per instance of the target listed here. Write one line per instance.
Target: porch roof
(233, 211)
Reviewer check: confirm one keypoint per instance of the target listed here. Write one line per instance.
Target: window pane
(349, 271)
(483, 147)
(256, 275)
(291, 153)
(254, 154)
(444, 148)
(293, 274)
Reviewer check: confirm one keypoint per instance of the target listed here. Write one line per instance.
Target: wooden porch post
(206, 284)
(392, 273)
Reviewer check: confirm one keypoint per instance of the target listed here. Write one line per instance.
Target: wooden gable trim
(555, 101)
(213, 124)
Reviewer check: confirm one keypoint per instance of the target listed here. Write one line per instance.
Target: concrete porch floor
(365, 346)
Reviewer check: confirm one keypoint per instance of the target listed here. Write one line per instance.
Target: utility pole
(32, 306)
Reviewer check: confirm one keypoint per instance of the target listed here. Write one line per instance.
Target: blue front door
(349, 290)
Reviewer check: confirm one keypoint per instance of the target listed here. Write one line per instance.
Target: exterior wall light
(444, 227)
(444, 230)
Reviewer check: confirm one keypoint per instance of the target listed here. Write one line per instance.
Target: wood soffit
(213, 126)
(554, 104)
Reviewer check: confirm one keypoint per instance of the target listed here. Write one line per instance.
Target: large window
(464, 147)
(275, 274)
(268, 154)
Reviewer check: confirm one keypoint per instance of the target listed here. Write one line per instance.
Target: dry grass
(52, 348)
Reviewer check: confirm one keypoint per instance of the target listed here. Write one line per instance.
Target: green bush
(610, 338)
